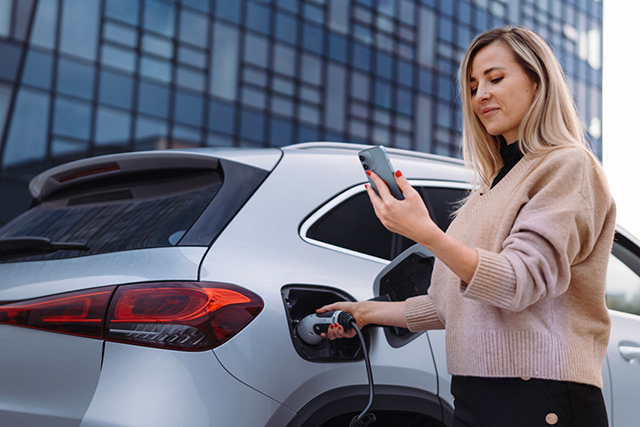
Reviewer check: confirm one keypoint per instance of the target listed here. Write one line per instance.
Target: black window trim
(352, 191)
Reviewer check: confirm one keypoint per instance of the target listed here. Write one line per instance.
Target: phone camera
(365, 167)
(362, 158)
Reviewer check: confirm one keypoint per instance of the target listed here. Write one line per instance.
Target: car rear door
(623, 354)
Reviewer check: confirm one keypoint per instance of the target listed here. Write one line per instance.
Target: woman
(519, 284)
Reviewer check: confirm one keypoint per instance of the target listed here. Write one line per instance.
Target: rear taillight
(174, 315)
(77, 313)
(183, 316)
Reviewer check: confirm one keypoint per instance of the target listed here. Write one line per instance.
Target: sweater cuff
(420, 314)
(493, 282)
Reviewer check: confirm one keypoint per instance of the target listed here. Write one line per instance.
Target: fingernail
(365, 186)
(398, 173)
(331, 326)
(368, 172)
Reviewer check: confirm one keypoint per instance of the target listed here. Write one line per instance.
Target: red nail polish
(365, 186)
(398, 173)
(331, 326)
(368, 172)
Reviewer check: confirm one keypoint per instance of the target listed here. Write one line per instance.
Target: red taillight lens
(182, 316)
(77, 313)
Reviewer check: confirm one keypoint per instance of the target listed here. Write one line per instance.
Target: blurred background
(80, 78)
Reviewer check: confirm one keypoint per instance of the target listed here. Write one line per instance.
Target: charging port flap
(407, 275)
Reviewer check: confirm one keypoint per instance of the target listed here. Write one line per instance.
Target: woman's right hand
(335, 330)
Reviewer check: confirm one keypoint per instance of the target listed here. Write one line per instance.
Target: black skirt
(524, 402)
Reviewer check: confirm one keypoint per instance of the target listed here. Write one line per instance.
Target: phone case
(376, 160)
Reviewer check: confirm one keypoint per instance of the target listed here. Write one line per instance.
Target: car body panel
(606, 389)
(625, 374)
(31, 279)
(53, 376)
(271, 217)
(142, 386)
(47, 379)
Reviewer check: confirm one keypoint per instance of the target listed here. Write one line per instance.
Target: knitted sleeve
(568, 204)
(420, 314)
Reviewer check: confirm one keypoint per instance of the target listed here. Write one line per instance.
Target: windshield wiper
(18, 247)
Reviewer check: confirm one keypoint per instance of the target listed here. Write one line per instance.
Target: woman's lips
(486, 112)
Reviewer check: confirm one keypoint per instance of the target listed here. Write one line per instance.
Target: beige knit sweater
(535, 306)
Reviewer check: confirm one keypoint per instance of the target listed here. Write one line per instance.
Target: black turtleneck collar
(511, 155)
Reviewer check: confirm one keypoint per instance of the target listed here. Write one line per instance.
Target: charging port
(302, 300)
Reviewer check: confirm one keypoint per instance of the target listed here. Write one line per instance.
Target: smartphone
(376, 160)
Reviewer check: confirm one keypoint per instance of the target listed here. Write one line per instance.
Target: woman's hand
(335, 330)
(365, 312)
(408, 217)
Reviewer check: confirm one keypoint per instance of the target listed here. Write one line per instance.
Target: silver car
(164, 288)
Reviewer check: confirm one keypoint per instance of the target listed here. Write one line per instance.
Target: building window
(72, 118)
(159, 16)
(115, 89)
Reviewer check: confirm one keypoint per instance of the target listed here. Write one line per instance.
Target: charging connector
(309, 330)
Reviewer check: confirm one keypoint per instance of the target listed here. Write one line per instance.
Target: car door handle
(630, 351)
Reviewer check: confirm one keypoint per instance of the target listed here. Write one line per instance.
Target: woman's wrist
(431, 237)
(363, 311)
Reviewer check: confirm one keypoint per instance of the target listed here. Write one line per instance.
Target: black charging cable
(365, 418)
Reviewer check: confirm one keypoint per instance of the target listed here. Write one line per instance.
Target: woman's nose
(482, 95)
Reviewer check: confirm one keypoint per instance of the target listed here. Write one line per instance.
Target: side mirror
(406, 276)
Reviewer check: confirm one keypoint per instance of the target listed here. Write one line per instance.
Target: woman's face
(501, 91)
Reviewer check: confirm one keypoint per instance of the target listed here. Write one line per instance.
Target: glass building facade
(80, 78)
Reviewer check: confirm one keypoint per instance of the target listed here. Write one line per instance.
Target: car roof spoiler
(59, 177)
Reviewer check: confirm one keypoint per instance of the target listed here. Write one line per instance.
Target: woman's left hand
(408, 217)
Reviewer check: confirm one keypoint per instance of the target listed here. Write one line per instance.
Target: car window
(136, 211)
(442, 202)
(623, 281)
(353, 225)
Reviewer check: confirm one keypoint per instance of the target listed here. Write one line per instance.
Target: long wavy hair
(550, 123)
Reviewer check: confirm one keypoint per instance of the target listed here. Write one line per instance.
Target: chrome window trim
(359, 188)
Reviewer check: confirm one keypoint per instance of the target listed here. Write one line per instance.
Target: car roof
(342, 148)
(414, 165)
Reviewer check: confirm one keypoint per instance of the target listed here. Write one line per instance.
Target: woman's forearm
(381, 313)
(460, 258)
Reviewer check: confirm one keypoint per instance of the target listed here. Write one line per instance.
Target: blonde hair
(550, 123)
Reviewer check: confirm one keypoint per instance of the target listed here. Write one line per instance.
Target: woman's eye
(496, 80)
(473, 91)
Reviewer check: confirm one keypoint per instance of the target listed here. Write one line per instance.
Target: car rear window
(141, 210)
